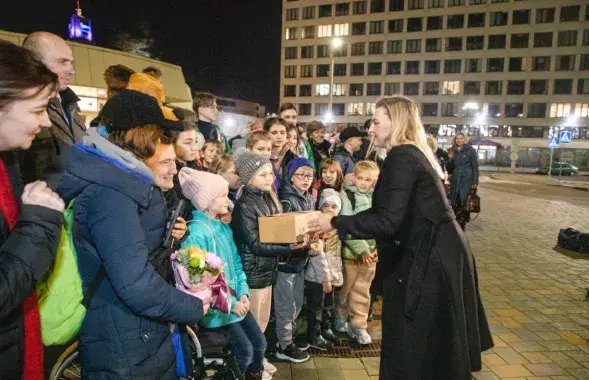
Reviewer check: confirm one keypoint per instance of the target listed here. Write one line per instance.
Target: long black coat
(434, 324)
(25, 255)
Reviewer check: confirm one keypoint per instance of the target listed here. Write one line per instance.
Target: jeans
(289, 293)
(247, 343)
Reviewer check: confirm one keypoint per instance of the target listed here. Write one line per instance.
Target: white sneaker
(269, 368)
(362, 337)
(266, 376)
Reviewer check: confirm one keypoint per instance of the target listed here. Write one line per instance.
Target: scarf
(33, 344)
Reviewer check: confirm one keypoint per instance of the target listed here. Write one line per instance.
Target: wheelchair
(211, 358)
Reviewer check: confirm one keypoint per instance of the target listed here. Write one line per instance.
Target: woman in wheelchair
(208, 194)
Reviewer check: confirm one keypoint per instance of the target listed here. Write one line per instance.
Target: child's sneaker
(266, 376)
(268, 367)
(330, 336)
(292, 353)
(320, 343)
(361, 336)
(340, 325)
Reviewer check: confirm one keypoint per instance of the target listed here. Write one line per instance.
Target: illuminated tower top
(80, 28)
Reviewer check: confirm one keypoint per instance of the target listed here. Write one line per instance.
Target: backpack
(62, 302)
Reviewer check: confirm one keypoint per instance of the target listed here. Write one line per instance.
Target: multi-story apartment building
(508, 73)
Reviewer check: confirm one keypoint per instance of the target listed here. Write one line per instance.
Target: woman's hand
(179, 229)
(324, 223)
(37, 193)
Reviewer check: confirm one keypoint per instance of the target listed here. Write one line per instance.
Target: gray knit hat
(249, 164)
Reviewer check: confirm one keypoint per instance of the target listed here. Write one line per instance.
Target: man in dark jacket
(351, 139)
(47, 156)
(290, 283)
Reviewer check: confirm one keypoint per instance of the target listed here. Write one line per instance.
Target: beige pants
(354, 295)
(260, 303)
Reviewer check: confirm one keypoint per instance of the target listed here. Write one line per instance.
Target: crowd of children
(279, 171)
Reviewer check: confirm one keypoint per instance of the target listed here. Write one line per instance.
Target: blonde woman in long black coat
(434, 325)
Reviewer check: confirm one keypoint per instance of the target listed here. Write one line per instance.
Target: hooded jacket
(216, 237)
(120, 217)
(260, 260)
(293, 201)
(354, 249)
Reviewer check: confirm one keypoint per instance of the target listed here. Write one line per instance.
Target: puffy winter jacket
(25, 255)
(354, 249)
(214, 236)
(327, 267)
(120, 218)
(292, 201)
(260, 260)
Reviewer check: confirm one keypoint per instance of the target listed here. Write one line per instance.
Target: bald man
(46, 157)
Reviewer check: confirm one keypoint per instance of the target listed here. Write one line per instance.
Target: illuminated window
(324, 31)
(356, 109)
(582, 110)
(341, 30)
(291, 33)
(339, 89)
(560, 110)
(321, 90)
(451, 87)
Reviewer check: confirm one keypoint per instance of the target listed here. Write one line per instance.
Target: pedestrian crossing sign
(565, 137)
(553, 143)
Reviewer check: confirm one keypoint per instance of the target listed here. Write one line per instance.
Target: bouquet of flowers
(200, 274)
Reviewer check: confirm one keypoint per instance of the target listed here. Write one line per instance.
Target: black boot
(317, 341)
(330, 336)
(253, 375)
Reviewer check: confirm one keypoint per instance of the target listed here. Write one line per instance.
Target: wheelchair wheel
(67, 366)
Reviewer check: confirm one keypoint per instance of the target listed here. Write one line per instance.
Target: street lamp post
(336, 43)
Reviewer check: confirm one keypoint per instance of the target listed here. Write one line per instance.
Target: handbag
(473, 202)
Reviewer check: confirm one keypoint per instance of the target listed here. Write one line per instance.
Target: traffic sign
(553, 143)
(565, 137)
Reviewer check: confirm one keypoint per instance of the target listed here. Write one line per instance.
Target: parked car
(563, 168)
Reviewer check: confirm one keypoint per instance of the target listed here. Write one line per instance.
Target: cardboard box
(287, 228)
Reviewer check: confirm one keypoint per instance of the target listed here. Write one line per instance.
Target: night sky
(229, 47)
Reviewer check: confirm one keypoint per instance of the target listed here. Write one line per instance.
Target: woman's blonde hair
(406, 127)
(453, 143)
(432, 142)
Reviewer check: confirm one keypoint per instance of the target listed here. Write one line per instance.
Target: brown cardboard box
(287, 228)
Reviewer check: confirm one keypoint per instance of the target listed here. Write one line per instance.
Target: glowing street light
(337, 43)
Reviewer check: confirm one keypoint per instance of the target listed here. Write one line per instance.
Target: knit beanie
(298, 163)
(201, 188)
(331, 196)
(249, 164)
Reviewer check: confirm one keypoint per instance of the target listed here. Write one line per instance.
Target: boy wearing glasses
(205, 106)
(295, 195)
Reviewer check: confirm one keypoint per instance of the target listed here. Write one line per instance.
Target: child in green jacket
(359, 258)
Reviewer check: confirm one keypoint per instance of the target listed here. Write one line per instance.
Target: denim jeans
(247, 343)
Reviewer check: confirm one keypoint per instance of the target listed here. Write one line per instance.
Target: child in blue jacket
(209, 195)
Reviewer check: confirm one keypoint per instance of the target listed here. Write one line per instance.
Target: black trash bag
(573, 240)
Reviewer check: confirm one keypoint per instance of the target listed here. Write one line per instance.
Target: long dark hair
(20, 71)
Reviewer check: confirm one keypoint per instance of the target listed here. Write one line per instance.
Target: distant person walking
(464, 168)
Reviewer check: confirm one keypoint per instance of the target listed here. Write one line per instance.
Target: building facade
(508, 73)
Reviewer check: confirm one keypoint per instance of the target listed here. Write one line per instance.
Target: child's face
(329, 176)
(186, 146)
(318, 136)
(330, 208)
(302, 178)
(364, 181)
(291, 140)
(210, 153)
(277, 134)
(231, 176)
(264, 179)
(263, 148)
(220, 206)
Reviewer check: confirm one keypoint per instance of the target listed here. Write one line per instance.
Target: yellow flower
(196, 253)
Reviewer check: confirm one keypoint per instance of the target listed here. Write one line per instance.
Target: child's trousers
(354, 296)
(289, 293)
(260, 303)
(320, 306)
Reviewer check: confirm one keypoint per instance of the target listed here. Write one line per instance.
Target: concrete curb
(582, 186)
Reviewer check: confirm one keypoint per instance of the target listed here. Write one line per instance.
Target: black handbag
(473, 202)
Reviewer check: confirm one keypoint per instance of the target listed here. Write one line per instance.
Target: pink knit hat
(201, 188)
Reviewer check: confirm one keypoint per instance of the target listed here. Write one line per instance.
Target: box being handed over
(287, 228)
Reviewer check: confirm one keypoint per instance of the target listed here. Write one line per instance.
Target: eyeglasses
(304, 176)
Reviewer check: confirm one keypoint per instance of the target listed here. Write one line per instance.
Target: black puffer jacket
(260, 260)
(25, 255)
(292, 201)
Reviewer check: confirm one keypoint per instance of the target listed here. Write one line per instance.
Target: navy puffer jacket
(120, 218)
